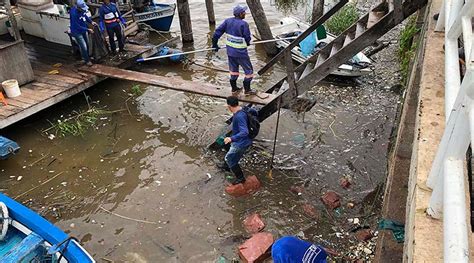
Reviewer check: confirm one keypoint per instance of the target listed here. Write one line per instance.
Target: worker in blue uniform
(111, 20)
(291, 249)
(79, 21)
(237, 39)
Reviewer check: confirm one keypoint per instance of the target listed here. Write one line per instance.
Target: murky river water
(149, 161)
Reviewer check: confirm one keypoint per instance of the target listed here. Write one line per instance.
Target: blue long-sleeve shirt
(238, 28)
(292, 250)
(240, 131)
(109, 15)
(78, 21)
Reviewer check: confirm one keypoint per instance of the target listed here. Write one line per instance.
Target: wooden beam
(185, 21)
(175, 83)
(263, 27)
(211, 17)
(306, 33)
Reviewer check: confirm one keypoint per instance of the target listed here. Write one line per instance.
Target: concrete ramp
(175, 83)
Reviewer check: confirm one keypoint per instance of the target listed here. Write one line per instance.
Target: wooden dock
(56, 78)
(175, 84)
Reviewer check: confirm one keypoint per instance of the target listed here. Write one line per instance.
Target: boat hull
(159, 17)
(26, 222)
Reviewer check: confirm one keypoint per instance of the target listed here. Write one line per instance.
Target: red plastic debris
(364, 235)
(251, 185)
(253, 223)
(344, 183)
(310, 211)
(255, 249)
(331, 199)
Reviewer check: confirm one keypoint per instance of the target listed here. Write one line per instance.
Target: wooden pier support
(185, 21)
(263, 27)
(318, 10)
(11, 17)
(211, 17)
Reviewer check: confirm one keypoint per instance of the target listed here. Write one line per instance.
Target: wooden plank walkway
(51, 87)
(175, 83)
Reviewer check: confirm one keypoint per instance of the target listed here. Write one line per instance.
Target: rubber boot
(223, 166)
(248, 89)
(239, 175)
(233, 84)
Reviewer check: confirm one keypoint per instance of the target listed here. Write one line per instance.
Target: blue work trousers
(81, 40)
(234, 155)
(244, 62)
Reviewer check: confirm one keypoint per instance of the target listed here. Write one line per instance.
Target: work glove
(124, 22)
(214, 45)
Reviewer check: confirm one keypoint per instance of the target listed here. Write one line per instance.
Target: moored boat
(158, 16)
(27, 237)
(358, 65)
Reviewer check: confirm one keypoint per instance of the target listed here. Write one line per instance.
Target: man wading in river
(243, 132)
(237, 39)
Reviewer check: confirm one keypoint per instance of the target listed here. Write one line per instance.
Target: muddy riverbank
(149, 161)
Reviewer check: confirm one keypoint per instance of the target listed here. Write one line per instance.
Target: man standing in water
(237, 39)
(240, 140)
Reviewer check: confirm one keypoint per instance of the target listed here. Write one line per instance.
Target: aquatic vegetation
(342, 19)
(136, 90)
(407, 47)
(78, 123)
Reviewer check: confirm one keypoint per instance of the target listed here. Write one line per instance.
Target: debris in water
(364, 235)
(19, 178)
(345, 182)
(251, 185)
(331, 199)
(253, 223)
(255, 248)
(310, 211)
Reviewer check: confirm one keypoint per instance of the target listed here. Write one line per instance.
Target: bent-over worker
(237, 39)
(240, 141)
(79, 21)
(111, 19)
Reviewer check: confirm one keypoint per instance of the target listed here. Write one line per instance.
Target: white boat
(359, 65)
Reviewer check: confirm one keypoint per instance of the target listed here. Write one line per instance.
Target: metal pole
(206, 49)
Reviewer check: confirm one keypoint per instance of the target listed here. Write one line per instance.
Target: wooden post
(11, 17)
(318, 10)
(263, 28)
(185, 21)
(210, 12)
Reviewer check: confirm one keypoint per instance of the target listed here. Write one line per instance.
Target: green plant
(136, 90)
(406, 48)
(342, 19)
(77, 124)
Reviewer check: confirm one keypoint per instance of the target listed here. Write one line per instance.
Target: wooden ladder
(370, 27)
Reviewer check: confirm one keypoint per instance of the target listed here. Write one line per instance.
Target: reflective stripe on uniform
(235, 42)
(234, 73)
(111, 18)
(249, 76)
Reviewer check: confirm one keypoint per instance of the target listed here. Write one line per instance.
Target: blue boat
(158, 16)
(27, 237)
(7, 148)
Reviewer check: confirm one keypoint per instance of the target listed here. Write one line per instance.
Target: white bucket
(11, 88)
